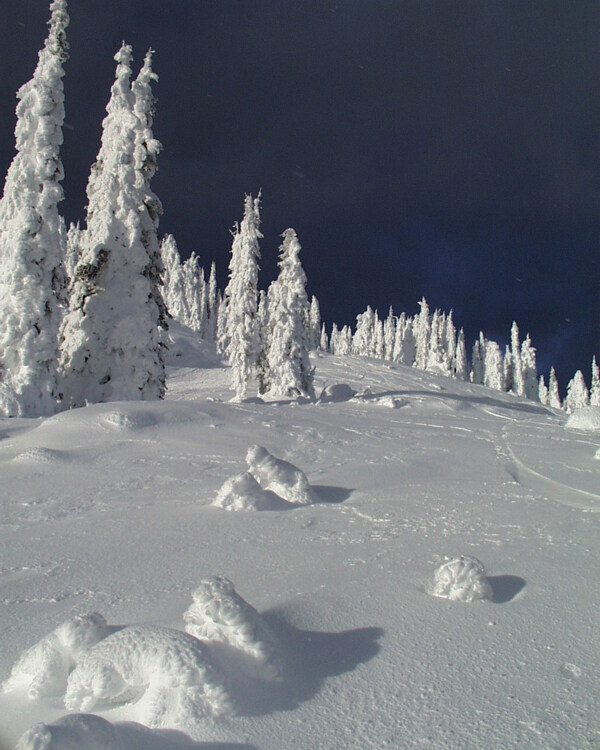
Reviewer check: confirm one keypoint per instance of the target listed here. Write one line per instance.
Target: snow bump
(279, 476)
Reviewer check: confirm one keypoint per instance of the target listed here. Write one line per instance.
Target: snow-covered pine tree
(212, 303)
(553, 392)
(478, 360)
(389, 335)
(422, 334)
(595, 389)
(542, 391)
(240, 335)
(518, 380)
(193, 293)
(493, 366)
(290, 371)
(577, 393)
(111, 338)
(33, 237)
(173, 287)
(437, 360)
(314, 323)
(529, 367)
(264, 337)
(378, 338)
(323, 340)
(450, 344)
(363, 339)
(461, 366)
(147, 148)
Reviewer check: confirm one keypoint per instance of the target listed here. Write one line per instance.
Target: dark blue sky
(446, 149)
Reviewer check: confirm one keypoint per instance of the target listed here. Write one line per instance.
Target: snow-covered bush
(336, 393)
(279, 476)
(219, 615)
(170, 670)
(43, 669)
(72, 732)
(585, 418)
(461, 579)
(243, 492)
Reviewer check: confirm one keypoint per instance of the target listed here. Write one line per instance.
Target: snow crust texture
(461, 579)
(279, 476)
(221, 616)
(586, 418)
(169, 671)
(44, 668)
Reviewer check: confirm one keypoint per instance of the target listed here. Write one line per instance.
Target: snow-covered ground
(109, 509)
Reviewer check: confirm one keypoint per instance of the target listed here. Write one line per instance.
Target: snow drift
(220, 616)
(461, 579)
(586, 418)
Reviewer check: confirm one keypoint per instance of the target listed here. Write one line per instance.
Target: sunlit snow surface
(108, 509)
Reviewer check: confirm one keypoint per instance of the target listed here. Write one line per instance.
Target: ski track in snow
(107, 509)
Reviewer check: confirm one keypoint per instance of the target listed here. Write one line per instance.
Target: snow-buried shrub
(279, 476)
(170, 672)
(221, 617)
(39, 456)
(461, 579)
(336, 393)
(43, 669)
(75, 732)
(243, 492)
(586, 418)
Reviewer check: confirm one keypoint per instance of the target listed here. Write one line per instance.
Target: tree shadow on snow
(133, 735)
(506, 588)
(329, 494)
(309, 658)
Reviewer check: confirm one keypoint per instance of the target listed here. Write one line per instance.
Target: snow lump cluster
(269, 483)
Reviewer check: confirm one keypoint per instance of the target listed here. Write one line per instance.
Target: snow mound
(72, 733)
(219, 615)
(39, 456)
(43, 669)
(392, 402)
(461, 579)
(243, 492)
(120, 420)
(586, 418)
(279, 476)
(337, 393)
(168, 673)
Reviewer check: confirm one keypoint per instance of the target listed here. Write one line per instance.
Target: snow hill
(440, 589)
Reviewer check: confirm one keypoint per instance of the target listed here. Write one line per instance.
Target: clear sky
(446, 149)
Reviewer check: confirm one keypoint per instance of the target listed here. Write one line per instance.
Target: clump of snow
(38, 456)
(392, 402)
(243, 492)
(168, 673)
(72, 733)
(336, 393)
(461, 579)
(43, 669)
(279, 476)
(122, 420)
(586, 418)
(220, 615)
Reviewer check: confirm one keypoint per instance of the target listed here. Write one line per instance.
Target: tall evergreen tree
(518, 380)
(290, 372)
(314, 323)
(577, 393)
(529, 367)
(493, 367)
(595, 389)
(111, 339)
(553, 392)
(461, 366)
(33, 238)
(74, 241)
(422, 334)
(240, 337)
(363, 340)
(212, 303)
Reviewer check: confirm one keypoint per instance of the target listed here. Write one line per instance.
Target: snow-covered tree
(290, 371)
(212, 303)
(33, 237)
(437, 359)
(363, 339)
(194, 294)
(493, 367)
(577, 393)
(389, 335)
(111, 339)
(323, 340)
(450, 343)
(529, 367)
(240, 335)
(74, 241)
(173, 279)
(542, 391)
(595, 389)
(264, 336)
(461, 366)
(508, 369)
(378, 338)
(518, 380)
(422, 333)
(478, 360)
(553, 392)
(314, 323)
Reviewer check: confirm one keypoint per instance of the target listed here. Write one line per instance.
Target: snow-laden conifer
(363, 340)
(450, 344)
(461, 365)
(240, 336)
(378, 338)
(389, 335)
(73, 248)
(212, 303)
(111, 340)
(577, 393)
(173, 279)
(33, 238)
(314, 323)
(518, 380)
(529, 368)
(542, 391)
(493, 367)
(323, 339)
(478, 360)
(422, 334)
(553, 391)
(595, 389)
(290, 371)
(264, 337)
